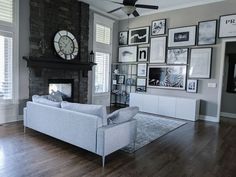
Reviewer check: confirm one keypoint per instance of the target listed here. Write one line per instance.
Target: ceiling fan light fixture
(128, 10)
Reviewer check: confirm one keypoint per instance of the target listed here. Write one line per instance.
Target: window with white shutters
(6, 11)
(103, 34)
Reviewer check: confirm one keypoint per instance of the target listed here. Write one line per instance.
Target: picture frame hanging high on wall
(142, 70)
(123, 38)
(158, 50)
(200, 63)
(158, 27)
(227, 26)
(182, 36)
(167, 76)
(207, 32)
(177, 56)
(142, 54)
(128, 54)
(139, 36)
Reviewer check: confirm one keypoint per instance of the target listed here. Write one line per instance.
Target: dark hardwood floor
(200, 149)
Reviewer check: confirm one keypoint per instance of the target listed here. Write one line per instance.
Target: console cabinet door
(166, 106)
(186, 109)
(136, 100)
(150, 104)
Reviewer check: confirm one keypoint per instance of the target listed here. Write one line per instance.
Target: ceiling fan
(130, 6)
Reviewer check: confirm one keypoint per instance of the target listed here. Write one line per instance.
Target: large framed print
(128, 54)
(200, 63)
(123, 38)
(159, 27)
(183, 36)
(177, 56)
(231, 85)
(139, 36)
(169, 77)
(227, 26)
(158, 50)
(207, 32)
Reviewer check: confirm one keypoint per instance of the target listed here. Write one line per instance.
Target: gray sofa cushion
(55, 96)
(122, 115)
(97, 110)
(44, 100)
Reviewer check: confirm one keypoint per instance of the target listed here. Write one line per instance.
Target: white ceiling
(164, 5)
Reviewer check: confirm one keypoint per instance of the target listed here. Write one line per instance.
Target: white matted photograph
(183, 36)
(139, 36)
(207, 32)
(192, 86)
(142, 70)
(158, 50)
(227, 26)
(177, 56)
(123, 38)
(128, 54)
(142, 54)
(200, 63)
(158, 27)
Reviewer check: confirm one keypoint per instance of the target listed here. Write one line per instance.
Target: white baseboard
(228, 115)
(208, 118)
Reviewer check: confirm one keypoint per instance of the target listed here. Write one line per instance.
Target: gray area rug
(150, 127)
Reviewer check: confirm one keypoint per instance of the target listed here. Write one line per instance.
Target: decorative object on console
(177, 56)
(231, 86)
(123, 38)
(158, 27)
(128, 54)
(207, 32)
(182, 36)
(139, 36)
(192, 86)
(158, 50)
(171, 77)
(66, 45)
(142, 70)
(142, 54)
(227, 26)
(200, 63)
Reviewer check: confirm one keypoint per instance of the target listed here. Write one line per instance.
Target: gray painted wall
(186, 17)
(228, 99)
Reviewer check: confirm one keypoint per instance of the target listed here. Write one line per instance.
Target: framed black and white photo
(231, 85)
(200, 63)
(227, 26)
(121, 79)
(158, 27)
(207, 32)
(142, 54)
(128, 54)
(139, 36)
(123, 38)
(177, 56)
(183, 36)
(142, 70)
(158, 50)
(141, 85)
(170, 77)
(192, 86)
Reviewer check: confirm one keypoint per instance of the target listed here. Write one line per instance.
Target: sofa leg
(103, 161)
(24, 129)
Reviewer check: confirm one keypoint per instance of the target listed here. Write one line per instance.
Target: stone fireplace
(46, 18)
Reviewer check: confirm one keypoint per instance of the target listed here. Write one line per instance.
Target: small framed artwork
(128, 54)
(177, 56)
(200, 63)
(142, 70)
(231, 85)
(130, 81)
(158, 50)
(192, 86)
(142, 54)
(141, 85)
(168, 77)
(139, 36)
(114, 82)
(183, 36)
(121, 79)
(207, 32)
(227, 26)
(158, 27)
(123, 38)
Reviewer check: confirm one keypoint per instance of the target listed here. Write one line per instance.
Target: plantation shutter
(6, 11)
(103, 34)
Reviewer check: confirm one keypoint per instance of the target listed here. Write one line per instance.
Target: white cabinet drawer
(166, 106)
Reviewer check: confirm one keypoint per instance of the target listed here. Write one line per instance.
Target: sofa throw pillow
(55, 96)
(97, 110)
(44, 100)
(122, 115)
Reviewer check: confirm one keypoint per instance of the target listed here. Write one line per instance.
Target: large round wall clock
(66, 45)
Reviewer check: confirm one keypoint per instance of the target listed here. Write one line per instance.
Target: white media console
(176, 107)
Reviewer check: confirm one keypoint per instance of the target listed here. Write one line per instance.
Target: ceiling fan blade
(135, 13)
(114, 10)
(146, 6)
(129, 2)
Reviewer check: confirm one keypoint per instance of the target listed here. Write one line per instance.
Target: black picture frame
(231, 81)
(222, 27)
(123, 41)
(162, 31)
(121, 79)
(134, 32)
(169, 59)
(192, 86)
(155, 50)
(201, 37)
(143, 54)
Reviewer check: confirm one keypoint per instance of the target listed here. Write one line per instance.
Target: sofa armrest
(114, 137)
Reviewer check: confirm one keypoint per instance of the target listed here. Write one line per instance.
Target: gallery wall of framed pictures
(176, 57)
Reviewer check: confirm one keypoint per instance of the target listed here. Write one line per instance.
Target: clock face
(66, 45)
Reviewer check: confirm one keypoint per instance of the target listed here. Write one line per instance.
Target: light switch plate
(212, 85)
